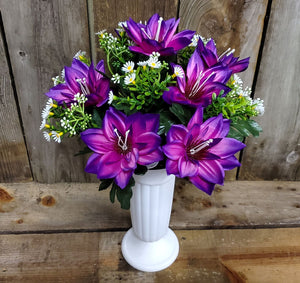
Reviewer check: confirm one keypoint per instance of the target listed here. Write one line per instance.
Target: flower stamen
(158, 28)
(200, 146)
(122, 144)
(83, 86)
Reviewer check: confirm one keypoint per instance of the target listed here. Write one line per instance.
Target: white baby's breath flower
(259, 106)
(116, 78)
(128, 67)
(154, 55)
(130, 79)
(47, 136)
(56, 80)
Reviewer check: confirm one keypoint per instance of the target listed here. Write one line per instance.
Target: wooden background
(39, 37)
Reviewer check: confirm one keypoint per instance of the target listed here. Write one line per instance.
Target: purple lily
(157, 36)
(121, 144)
(201, 151)
(197, 86)
(209, 54)
(81, 78)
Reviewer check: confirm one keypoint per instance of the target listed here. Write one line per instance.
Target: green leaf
(112, 193)
(105, 184)
(165, 123)
(96, 118)
(124, 195)
(140, 170)
(84, 151)
(183, 113)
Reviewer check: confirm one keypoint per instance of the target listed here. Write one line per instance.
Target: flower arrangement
(160, 100)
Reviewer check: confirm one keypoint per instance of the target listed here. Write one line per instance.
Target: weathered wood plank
(107, 14)
(230, 24)
(42, 37)
(14, 163)
(30, 207)
(276, 153)
(234, 24)
(96, 257)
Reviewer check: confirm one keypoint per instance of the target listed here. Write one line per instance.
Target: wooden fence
(39, 37)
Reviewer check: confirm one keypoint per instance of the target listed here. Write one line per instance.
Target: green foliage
(123, 195)
(240, 129)
(105, 184)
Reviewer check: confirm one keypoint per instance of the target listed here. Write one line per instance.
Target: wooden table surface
(245, 232)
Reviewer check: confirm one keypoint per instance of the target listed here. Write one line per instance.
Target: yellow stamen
(47, 126)
(51, 113)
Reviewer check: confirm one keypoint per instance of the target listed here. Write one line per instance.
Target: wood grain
(107, 14)
(231, 25)
(33, 207)
(14, 163)
(96, 257)
(234, 24)
(276, 153)
(42, 37)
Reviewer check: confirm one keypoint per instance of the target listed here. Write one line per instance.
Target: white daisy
(130, 79)
(154, 63)
(110, 97)
(46, 112)
(47, 136)
(43, 124)
(56, 136)
(178, 72)
(79, 54)
(128, 67)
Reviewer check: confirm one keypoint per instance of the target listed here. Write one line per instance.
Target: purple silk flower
(209, 55)
(157, 36)
(121, 144)
(201, 151)
(196, 87)
(81, 78)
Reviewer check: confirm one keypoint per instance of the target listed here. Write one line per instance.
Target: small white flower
(143, 63)
(56, 80)
(101, 33)
(116, 78)
(122, 24)
(128, 67)
(47, 136)
(154, 55)
(56, 136)
(64, 122)
(46, 112)
(259, 106)
(110, 97)
(154, 63)
(43, 124)
(130, 79)
(63, 74)
(79, 54)
(178, 72)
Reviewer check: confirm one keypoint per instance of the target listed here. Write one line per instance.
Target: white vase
(150, 245)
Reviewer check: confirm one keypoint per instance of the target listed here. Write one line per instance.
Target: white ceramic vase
(150, 245)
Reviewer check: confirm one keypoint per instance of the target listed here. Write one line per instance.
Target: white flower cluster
(195, 39)
(128, 68)
(259, 106)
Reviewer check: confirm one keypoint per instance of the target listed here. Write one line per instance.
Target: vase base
(150, 256)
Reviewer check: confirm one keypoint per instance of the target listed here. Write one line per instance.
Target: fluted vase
(150, 245)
